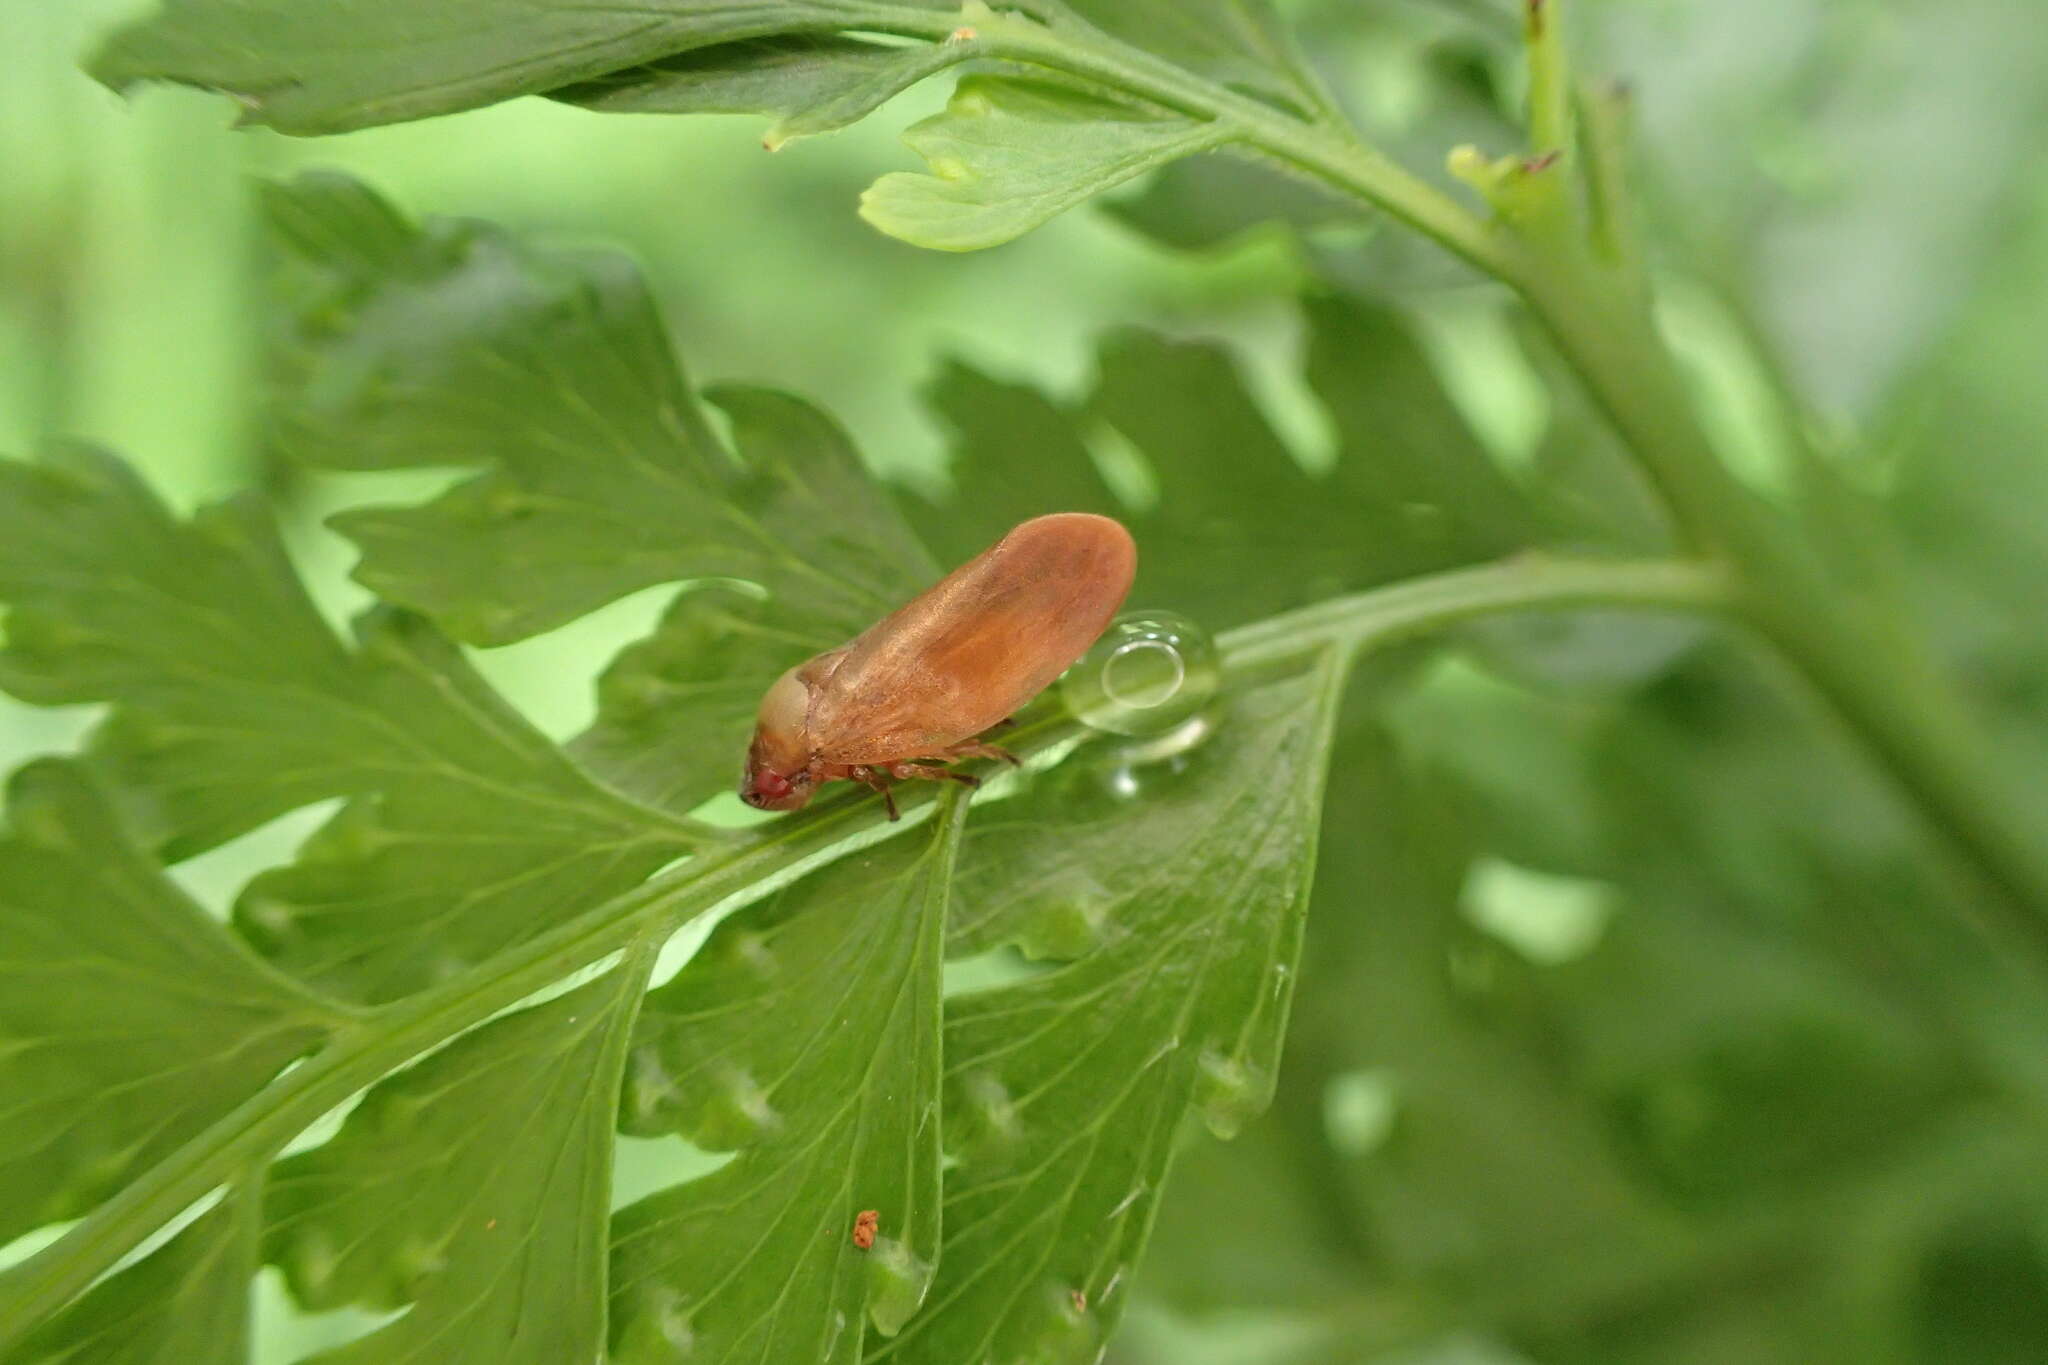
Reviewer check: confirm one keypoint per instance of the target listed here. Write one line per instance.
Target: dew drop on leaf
(1230, 1093)
(312, 1265)
(659, 1328)
(416, 1263)
(1067, 1333)
(897, 1282)
(1149, 674)
(740, 1113)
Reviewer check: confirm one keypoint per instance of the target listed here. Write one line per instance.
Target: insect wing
(978, 644)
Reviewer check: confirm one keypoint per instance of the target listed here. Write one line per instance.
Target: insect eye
(771, 784)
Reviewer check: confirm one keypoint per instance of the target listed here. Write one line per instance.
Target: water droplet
(310, 1265)
(1230, 1093)
(1066, 1333)
(650, 1094)
(832, 1339)
(38, 821)
(897, 1282)
(1149, 674)
(988, 1120)
(272, 919)
(753, 950)
(737, 1112)
(415, 1264)
(657, 1327)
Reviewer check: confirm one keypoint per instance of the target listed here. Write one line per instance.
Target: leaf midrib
(380, 1042)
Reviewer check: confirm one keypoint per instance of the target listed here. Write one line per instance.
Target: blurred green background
(1642, 1043)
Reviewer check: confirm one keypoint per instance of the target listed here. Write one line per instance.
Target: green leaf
(1187, 879)
(1008, 154)
(814, 62)
(805, 1034)
(474, 1187)
(235, 704)
(187, 1301)
(1240, 527)
(556, 370)
(322, 69)
(477, 868)
(1238, 43)
(1573, 1153)
(128, 1020)
(676, 710)
(1210, 201)
(451, 344)
(810, 84)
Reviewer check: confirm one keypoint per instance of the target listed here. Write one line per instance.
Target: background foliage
(1637, 1021)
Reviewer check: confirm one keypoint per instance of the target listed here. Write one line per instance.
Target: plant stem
(1605, 116)
(1326, 151)
(1850, 645)
(1877, 677)
(383, 1041)
(1435, 602)
(1550, 109)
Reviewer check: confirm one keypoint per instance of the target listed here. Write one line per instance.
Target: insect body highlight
(927, 680)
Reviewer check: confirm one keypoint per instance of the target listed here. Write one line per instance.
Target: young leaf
(129, 1020)
(1187, 881)
(1008, 154)
(805, 1034)
(473, 1187)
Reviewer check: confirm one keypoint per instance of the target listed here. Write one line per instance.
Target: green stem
(1878, 678)
(1425, 606)
(1605, 116)
(384, 1040)
(1550, 106)
(1326, 151)
(1850, 645)
(381, 1042)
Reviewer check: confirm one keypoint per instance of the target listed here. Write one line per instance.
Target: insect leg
(932, 774)
(873, 780)
(976, 749)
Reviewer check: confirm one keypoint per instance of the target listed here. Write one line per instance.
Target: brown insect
(864, 1225)
(929, 678)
